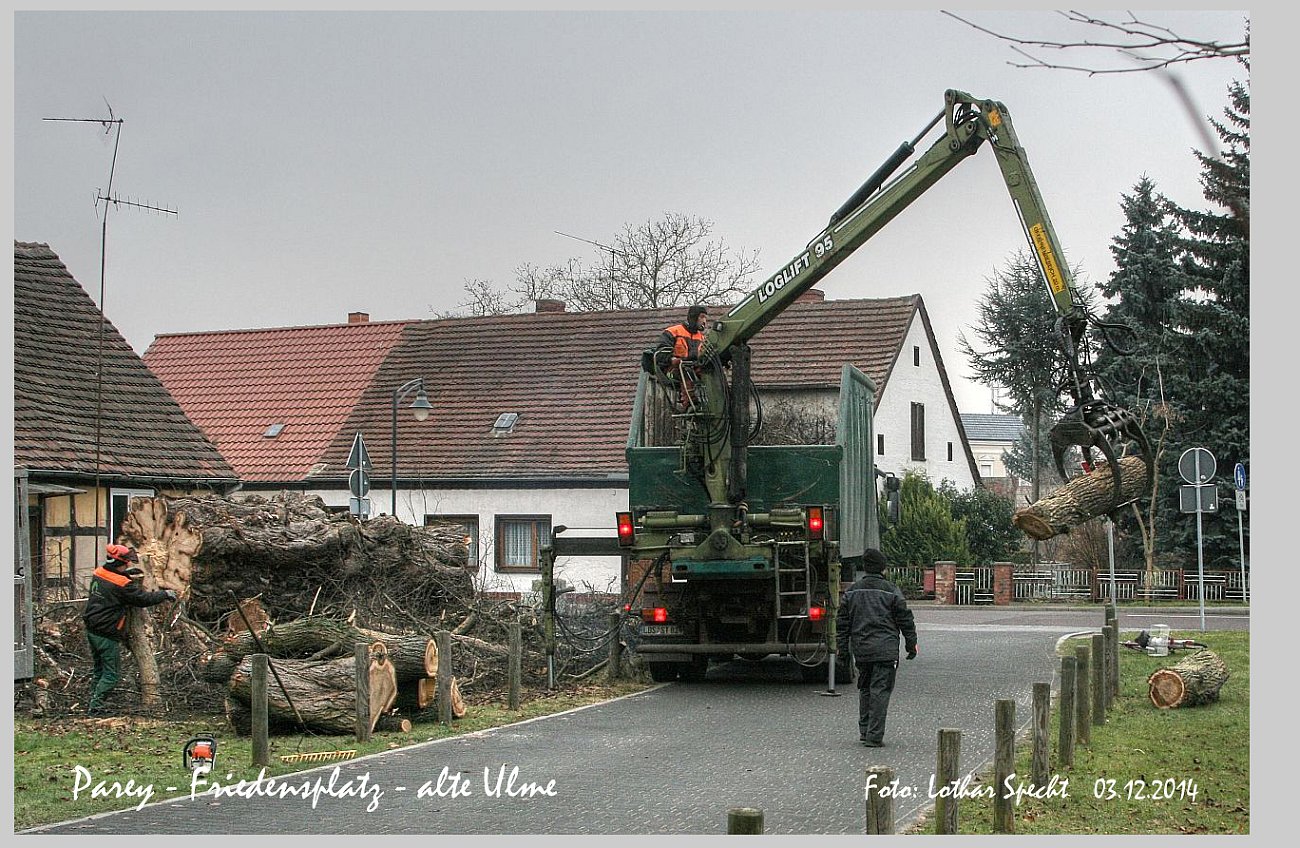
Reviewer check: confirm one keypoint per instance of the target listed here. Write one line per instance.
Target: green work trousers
(106, 655)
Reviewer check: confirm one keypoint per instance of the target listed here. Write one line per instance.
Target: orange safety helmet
(122, 553)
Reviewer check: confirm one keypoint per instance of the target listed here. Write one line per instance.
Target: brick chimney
(550, 305)
(811, 296)
(358, 317)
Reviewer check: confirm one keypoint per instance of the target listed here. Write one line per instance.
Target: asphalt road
(674, 759)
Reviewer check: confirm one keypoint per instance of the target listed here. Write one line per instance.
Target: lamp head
(421, 407)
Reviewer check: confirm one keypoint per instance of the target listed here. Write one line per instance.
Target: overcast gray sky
(323, 163)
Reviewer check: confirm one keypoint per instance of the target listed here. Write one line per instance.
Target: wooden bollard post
(945, 806)
(1113, 689)
(361, 651)
(1065, 723)
(1039, 765)
(444, 676)
(1083, 695)
(1098, 679)
(744, 820)
(1004, 764)
(1107, 691)
(880, 807)
(260, 707)
(615, 645)
(1114, 662)
(515, 665)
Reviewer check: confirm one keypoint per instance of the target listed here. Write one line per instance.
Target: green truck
(739, 549)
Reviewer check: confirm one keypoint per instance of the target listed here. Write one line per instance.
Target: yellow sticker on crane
(1047, 258)
(995, 118)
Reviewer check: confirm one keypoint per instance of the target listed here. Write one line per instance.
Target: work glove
(171, 594)
(912, 651)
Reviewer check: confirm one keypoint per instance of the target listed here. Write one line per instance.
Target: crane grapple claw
(1099, 424)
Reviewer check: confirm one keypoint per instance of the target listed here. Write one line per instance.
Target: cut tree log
(419, 698)
(319, 637)
(1084, 498)
(1193, 681)
(393, 724)
(322, 693)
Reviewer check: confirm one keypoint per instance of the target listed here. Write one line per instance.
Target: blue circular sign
(1239, 475)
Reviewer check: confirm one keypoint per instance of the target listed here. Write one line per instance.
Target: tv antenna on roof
(111, 124)
(612, 250)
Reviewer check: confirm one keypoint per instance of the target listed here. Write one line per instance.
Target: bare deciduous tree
(670, 261)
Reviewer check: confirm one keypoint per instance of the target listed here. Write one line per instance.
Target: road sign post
(1197, 467)
(359, 479)
(1239, 478)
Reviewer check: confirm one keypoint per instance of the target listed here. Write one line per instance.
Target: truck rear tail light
(626, 529)
(655, 615)
(816, 613)
(816, 524)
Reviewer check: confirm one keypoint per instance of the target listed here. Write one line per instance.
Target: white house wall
(909, 383)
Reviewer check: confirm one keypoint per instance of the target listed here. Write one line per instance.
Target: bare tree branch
(1145, 45)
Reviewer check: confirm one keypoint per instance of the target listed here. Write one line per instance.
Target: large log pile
(1193, 681)
(298, 557)
(1084, 498)
(286, 576)
(310, 583)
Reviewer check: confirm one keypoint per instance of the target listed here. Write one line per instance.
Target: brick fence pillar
(945, 583)
(1003, 583)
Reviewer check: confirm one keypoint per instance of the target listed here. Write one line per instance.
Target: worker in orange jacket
(683, 342)
(114, 587)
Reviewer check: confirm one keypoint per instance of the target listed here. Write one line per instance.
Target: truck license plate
(660, 630)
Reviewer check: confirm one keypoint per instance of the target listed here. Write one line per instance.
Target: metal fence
(1059, 581)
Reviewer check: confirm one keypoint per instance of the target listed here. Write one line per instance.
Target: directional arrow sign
(359, 483)
(359, 456)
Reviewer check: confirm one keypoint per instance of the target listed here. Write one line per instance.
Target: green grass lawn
(129, 753)
(1120, 783)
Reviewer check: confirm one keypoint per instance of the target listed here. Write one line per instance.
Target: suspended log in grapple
(1084, 498)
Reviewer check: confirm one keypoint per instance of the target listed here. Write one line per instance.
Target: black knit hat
(873, 561)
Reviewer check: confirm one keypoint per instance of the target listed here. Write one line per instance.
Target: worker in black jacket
(114, 588)
(873, 613)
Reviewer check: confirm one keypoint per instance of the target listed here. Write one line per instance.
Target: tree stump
(1193, 681)
(1084, 498)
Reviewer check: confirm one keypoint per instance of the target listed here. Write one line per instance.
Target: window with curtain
(518, 541)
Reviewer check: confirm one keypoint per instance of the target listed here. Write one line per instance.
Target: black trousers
(875, 685)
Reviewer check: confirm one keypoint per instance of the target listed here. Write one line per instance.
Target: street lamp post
(419, 408)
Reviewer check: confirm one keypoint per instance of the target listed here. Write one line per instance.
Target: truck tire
(662, 672)
(694, 670)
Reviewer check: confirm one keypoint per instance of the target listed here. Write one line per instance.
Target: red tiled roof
(236, 384)
(142, 432)
(571, 377)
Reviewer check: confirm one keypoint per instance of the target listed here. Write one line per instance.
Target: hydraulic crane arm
(969, 123)
(1091, 422)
